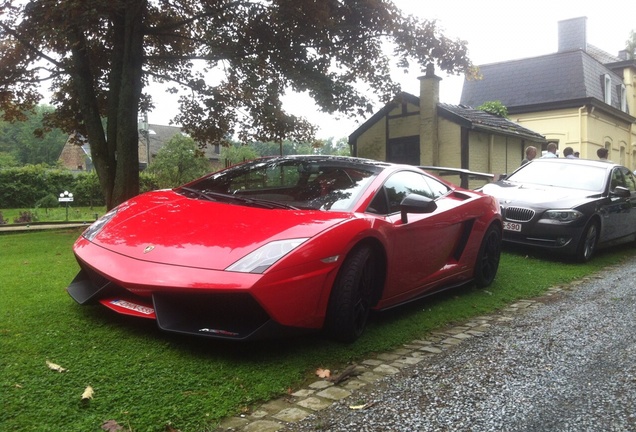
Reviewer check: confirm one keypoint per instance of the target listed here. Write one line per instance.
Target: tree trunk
(126, 87)
(115, 151)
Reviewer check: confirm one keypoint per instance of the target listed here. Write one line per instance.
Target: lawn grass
(146, 380)
(55, 214)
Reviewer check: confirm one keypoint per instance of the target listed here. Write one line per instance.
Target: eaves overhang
(573, 103)
(482, 127)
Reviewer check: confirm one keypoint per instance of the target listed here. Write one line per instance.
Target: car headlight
(562, 215)
(91, 232)
(265, 256)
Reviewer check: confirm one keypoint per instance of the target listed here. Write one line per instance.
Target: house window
(607, 89)
(622, 96)
(404, 150)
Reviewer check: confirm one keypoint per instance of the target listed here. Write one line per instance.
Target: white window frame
(607, 91)
(623, 98)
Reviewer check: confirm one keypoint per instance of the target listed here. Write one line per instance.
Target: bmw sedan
(573, 206)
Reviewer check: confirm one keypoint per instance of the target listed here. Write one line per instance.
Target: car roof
(333, 158)
(587, 162)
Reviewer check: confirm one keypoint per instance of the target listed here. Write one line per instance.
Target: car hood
(538, 195)
(165, 227)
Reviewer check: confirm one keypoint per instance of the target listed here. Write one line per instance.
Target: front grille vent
(518, 214)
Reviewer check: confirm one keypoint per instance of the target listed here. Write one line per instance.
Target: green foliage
(87, 190)
(7, 160)
(178, 162)
(28, 142)
(49, 201)
(495, 108)
(147, 182)
(3, 221)
(630, 45)
(131, 365)
(234, 154)
(339, 148)
(231, 63)
(57, 214)
(26, 186)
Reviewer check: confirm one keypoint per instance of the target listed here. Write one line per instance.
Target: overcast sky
(496, 30)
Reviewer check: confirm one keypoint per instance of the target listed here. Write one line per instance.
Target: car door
(420, 248)
(628, 225)
(618, 210)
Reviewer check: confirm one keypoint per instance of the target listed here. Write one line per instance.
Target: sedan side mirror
(621, 192)
(414, 203)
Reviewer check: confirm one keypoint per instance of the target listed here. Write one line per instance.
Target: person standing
(602, 153)
(531, 153)
(568, 152)
(551, 153)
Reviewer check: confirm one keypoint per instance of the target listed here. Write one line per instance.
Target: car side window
(437, 187)
(630, 181)
(617, 179)
(397, 187)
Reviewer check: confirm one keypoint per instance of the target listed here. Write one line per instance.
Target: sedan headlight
(562, 215)
(265, 256)
(91, 232)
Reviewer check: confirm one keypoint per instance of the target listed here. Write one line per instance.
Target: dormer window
(622, 96)
(607, 89)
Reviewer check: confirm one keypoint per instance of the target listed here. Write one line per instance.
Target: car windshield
(564, 174)
(310, 183)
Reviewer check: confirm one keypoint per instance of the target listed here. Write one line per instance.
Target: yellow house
(422, 131)
(579, 97)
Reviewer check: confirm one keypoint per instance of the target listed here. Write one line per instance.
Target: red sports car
(287, 243)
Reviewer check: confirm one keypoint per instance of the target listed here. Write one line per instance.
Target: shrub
(3, 221)
(25, 217)
(495, 108)
(49, 201)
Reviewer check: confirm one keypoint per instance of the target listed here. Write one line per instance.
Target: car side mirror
(414, 203)
(621, 192)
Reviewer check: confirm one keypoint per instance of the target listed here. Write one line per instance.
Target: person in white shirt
(551, 153)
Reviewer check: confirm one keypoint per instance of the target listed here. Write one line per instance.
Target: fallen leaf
(323, 373)
(362, 407)
(112, 426)
(55, 367)
(88, 393)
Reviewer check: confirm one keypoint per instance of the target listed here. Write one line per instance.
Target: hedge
(31, 186)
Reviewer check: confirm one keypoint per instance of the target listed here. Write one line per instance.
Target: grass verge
(146, 380)
(56, 214)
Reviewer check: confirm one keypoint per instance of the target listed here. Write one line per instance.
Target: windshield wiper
(198, 193)
(217, 196)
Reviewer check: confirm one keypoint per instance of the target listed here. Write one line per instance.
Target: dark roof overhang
(573, 103)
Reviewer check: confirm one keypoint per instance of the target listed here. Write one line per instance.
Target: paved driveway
(564, 363)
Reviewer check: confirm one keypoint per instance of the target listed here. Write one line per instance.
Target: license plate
(512, 226)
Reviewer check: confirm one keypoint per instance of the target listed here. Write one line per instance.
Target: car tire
(587, 243)
(487, 261)
(350, 300)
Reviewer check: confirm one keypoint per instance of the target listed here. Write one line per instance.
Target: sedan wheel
(350, 300)
(587, 244)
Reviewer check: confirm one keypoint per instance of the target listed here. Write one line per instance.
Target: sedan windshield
(566, 174)
(294, 183)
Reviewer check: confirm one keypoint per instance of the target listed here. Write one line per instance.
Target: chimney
(429, 98)
(573, 34)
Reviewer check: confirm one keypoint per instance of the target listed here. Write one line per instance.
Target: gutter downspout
(581, 132)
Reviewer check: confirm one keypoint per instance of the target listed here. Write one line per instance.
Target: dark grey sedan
(573, 206)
